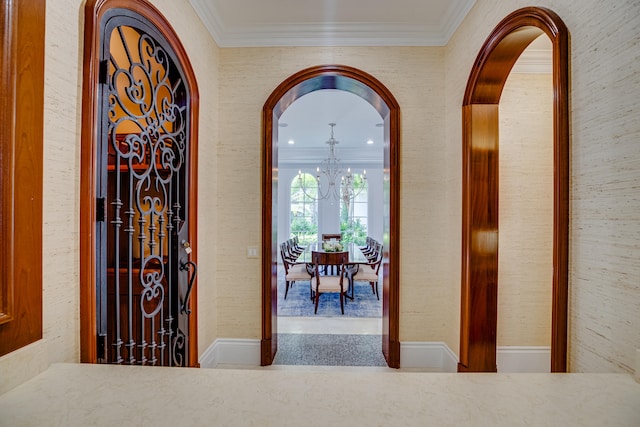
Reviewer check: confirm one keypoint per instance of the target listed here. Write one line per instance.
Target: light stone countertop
(102, 395)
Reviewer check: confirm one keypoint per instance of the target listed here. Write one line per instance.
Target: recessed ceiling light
(370, 141)
(291, 142)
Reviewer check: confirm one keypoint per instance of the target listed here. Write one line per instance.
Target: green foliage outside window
(304, 210)
(353, 231)
(305, 229)
(351, 226)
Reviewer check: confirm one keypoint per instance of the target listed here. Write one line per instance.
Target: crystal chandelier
(330, 179)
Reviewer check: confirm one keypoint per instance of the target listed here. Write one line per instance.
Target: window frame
(364, 194)
(307, 200)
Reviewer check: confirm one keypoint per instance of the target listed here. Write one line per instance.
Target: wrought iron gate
(144, 275)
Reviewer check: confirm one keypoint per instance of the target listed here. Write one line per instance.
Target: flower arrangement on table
(332, 246)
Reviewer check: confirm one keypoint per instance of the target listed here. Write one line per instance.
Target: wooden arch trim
(22, 58)
(95, 10)
(373, 91)
(480, 186)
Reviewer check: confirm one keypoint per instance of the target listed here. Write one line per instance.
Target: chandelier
(330, 180)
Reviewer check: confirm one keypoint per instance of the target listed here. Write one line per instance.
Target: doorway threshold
(330, 325)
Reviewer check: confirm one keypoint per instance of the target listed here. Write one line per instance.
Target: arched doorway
(480, 186)
(366, 86)
(138, 189)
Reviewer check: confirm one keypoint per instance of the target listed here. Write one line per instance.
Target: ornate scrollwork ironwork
(147, 133)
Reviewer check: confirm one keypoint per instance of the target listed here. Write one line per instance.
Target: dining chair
(367, 244)
(321, 283)
(331, 236)
(293, 271)
(293, 249)
(286, 254)
(297, 245)
(368, 273)
(370, 246)
(372, 255)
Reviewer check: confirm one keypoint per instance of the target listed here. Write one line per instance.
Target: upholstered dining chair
(293, 271)
(321, 284)
(293, 249)
(297, 245)
(331, 236)
(370, 246)
(368, 272)
(372, 255)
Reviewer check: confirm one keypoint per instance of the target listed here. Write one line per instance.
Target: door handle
(185, 266)
(186, 246)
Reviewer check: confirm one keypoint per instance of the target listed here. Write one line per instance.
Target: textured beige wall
(525, 264)
(204, 57)
(415, 77)
(605, 177)
(428, 84)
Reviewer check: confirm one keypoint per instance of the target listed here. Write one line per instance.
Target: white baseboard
(21, 365)
(434, 356)
(431, 356)
(231, 351)
(524, 359)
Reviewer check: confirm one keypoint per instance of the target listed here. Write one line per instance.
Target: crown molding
(534, 61)
(313, 156)
(331, 33)
(335, 34)
(208, 14)
(454, 18)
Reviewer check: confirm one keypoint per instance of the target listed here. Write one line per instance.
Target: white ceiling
(242, 23)
(261, 23)
(306, 123)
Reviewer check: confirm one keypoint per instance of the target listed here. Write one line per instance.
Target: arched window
(304, 208)
(354, 212)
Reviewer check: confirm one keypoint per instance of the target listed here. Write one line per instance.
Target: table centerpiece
(332, 246)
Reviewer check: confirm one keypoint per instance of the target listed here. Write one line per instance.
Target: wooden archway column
(479, 305)
(373, 91)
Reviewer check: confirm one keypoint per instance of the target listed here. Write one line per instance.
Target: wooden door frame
(94, 11)
(479, 276)
(373, 91)
(22, 57)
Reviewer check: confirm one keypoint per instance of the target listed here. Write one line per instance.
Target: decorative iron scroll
(147, 136)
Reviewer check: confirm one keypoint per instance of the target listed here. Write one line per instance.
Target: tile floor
(345, 329)
(329, 350)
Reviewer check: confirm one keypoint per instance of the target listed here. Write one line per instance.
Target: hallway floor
(330, 325)
(329, 341)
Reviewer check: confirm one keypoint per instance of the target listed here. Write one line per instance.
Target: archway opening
(480, 186)
(370, 89)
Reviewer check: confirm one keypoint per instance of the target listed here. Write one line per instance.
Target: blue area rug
(329, 350)
(365, 303)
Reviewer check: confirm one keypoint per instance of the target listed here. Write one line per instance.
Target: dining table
(355, 257)
(355, 253)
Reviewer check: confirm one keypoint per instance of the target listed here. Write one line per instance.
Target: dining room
(330, 173)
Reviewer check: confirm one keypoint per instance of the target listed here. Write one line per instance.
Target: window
(304, 209)
(354, 213)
